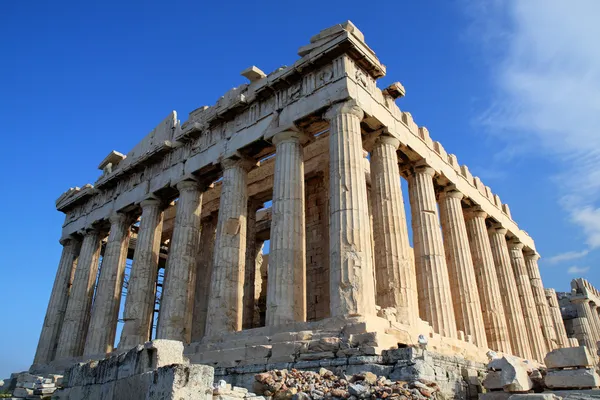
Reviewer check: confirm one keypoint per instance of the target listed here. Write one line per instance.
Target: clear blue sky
(78, 80)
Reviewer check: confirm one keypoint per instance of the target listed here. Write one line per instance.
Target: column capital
(531, 254)
(245, 163)
(387, 140)
(347, 107)
(579, 300)
(497, 228)
(69, 240)
(118, 218)
(515, 244)
(475, 212)
(452, 192)
(151, 201)
(419, 167)
(188, 185)
(289, 135)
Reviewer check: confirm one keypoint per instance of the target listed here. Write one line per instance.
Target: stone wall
(156, 370)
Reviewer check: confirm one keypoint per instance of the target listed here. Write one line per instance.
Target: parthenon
(309, 157)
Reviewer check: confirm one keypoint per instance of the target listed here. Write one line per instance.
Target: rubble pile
(304, 385)
(34, 386)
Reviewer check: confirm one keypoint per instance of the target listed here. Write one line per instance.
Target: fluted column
(487, 282)
(57, 304)
(394, 267)
(141, 289)
(225, 303)
(77, 316)
(204, 270)
(557, 321)
(105, 311)
(463, 283)
(537, 342)
(286, 290)
(595, 320)
(541, 303)
(177, 302)
(585, 334)
(352, 288)
(250, 269)
(435, 298)
(517, 331)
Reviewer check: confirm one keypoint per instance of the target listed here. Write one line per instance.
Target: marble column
(351, 282)
(250, 269)
(77, 317)
(595, 320)
(286, 291)
(105, 311)
(177, 302)
(435, 298)
(517, 331)
(57, 304)
(559, 326)
(204, 270)
(537, 342)
(394, 268)
(225, 304)
(487, 282)
(141, 289)
(541, 303)
(583, 330)
(463, 284)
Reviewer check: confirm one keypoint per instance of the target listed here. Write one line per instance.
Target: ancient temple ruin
(325, 149)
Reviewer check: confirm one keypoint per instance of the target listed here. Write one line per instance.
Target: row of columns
(460, 270)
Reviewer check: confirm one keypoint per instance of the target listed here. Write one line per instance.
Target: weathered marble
(225, 304)
(463, 284)
(57, 305)
(557, 321)
(487, 282)
(204, 270)
(175, 317)
(394, 266)
(539, 297)
(286, 292)
(141, 289)
(77, 317)
(105, 311)
(352, 288)
(515, 322)
(435, 298)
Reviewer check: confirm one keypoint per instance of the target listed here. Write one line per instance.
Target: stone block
(328, 344)
(260, 351)
(107, 370)
(129, 362)
(22, 392)
(165, 352)
(495, 396)
(534, 396)
(508, 373)
(317, 356)
(133, 387)
(572, 378)
(569, 357)
(182, 382)
(285, 349)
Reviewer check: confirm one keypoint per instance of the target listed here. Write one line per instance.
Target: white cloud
(577, 270)
(568, 256)
(545, 61)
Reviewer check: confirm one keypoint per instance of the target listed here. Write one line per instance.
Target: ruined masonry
(328, 148)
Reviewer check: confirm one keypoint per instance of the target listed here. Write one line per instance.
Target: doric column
(487, 282)
(351, 283)
(177, 302)
(509, 293)
(595, 320)
(539, 297)
(557, 321)
(141, 288)
(286, 291)
(250, 269)
(105, 311)
(585, 334)
(435, 298)
(57, 304)
(204, 270)
(225, 303)
(532, 322)
(463, 283)
(77, 316)
(394, 267)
